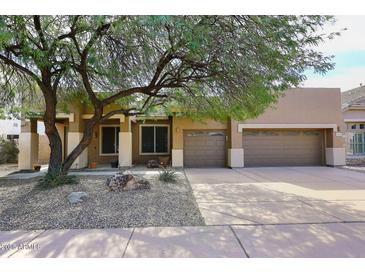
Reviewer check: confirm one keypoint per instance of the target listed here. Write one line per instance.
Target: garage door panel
(204, 148)
(281, 147)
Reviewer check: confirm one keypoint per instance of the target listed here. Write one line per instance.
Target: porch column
(235, 149)
(335, 148)
(74, 136)
(28, 144)
(125, 143)
(177, 151)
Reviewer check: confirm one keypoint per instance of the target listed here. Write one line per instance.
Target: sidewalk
(237, 241)
(152, 242)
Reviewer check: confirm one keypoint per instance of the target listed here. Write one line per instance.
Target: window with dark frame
(109, 139)
(154, 139)
(353, 126)
(362, 126)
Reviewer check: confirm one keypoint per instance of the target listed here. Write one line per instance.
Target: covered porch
(34, 147)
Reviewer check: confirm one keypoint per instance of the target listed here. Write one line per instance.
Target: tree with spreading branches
(209, 66)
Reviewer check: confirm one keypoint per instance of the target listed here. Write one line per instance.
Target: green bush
(8, 151)
(168, 176)
(55, 179)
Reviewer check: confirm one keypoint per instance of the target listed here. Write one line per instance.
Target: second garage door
(204, 148)
(283, 147)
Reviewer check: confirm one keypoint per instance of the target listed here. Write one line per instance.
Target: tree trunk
(55, 143)
(85, 141)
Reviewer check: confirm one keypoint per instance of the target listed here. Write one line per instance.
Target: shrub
(56, 178)
(168, 176)
(8, 151)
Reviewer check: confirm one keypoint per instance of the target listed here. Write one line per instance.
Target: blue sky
(349, 52)
(344, 61)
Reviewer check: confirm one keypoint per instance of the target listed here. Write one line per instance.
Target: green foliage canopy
(216, 66)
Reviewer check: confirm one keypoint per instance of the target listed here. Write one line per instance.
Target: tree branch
(124, 93)
(118, 111)
(82, 68)
(164, 60)
(87, 84)
(17, 66)
(71, 34)
(72, 28)
(38, 28)
(98, 32)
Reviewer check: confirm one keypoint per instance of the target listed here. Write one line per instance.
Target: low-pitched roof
(352, 95)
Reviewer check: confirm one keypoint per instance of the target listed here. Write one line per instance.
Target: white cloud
(352, 39)
(350, 78)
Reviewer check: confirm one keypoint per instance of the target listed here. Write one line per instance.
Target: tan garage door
(283, 147)
(205, 148)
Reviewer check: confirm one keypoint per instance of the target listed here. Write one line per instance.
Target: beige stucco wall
(234, 136)
(78, 124)
(307, 106)
(29, 126)
(28, 150)
(179, 124)
(304, 106)
(354, 114)
(44, 149)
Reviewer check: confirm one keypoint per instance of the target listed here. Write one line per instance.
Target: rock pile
(125, 182)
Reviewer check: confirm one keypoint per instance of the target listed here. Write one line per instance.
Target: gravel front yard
(6, 169)
(24, 207)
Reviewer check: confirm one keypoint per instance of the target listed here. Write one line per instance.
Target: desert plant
(8, 151)
(56, 178)
(168, 176)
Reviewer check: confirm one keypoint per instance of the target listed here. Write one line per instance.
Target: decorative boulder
(153, 164)
(76, 197)
(118, 181)
(137, 184)
(125, 182)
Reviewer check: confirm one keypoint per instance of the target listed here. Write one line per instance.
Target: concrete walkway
(81, 172)
(238, 241)
(42, 172)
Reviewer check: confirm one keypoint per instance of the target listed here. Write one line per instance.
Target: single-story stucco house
(353, 107)
(305, 127)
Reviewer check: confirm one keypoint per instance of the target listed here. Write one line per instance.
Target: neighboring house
(353, 108)
(10, 129)
(303, 128)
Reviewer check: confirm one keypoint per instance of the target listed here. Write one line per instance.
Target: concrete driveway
(286, 211)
